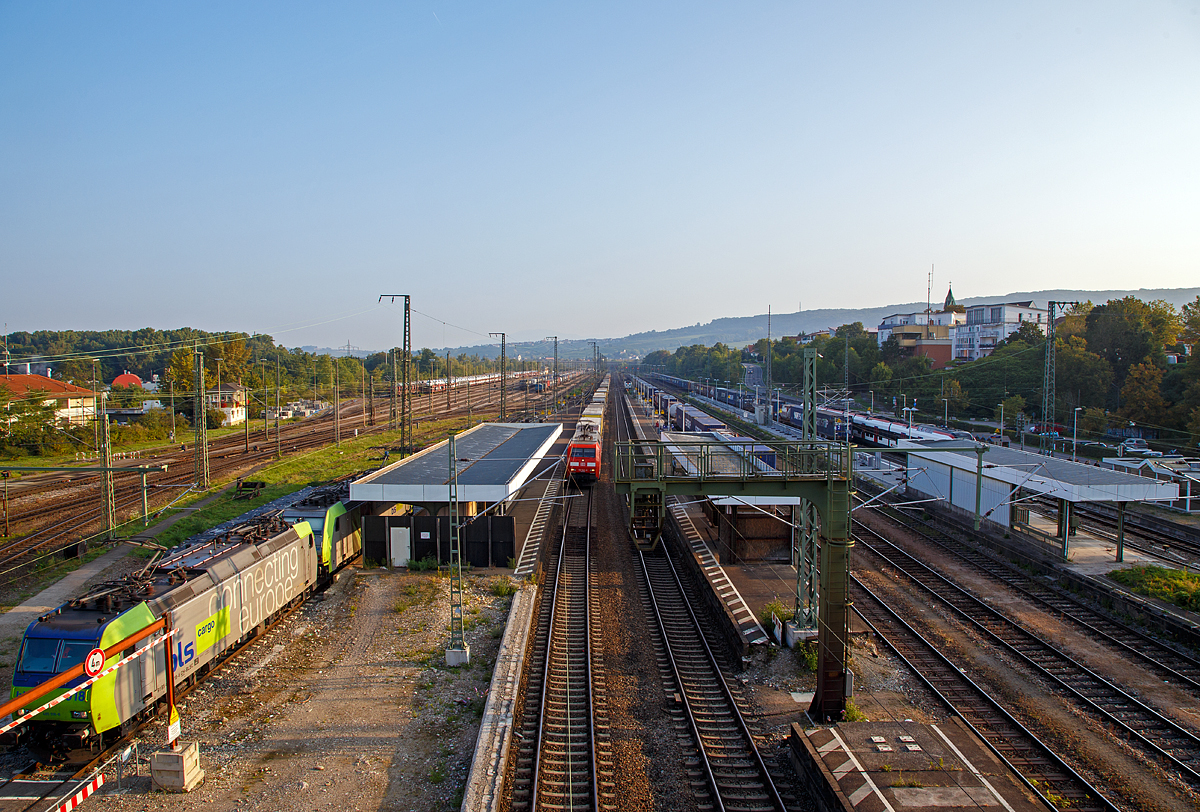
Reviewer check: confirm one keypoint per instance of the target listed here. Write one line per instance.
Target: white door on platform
(399, 546)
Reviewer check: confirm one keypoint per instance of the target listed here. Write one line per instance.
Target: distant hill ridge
(742, 330)
(747, 329)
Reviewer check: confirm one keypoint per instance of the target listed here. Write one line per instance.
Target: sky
(582, 169)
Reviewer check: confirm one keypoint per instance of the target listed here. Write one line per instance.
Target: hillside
(741, 330)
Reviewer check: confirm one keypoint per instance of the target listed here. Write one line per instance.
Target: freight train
(865, 428)
(584, 450)
(216, 593)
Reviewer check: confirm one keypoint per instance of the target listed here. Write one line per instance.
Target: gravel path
(347, 704)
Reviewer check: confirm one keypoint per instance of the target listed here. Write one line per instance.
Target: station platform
(494, 460)
(880, 766)
(726, 582)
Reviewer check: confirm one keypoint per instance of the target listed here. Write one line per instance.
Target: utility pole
(171, 389)
(503, 375)
(369, 399)
(106, 480)
(95, 414)
(448, 381)
(406, 439)
(1048, 381)
(278, 447)
(200, 416)
(395, 415)
(337, 404)
(246, 416)
(555, 386)
(262, 367)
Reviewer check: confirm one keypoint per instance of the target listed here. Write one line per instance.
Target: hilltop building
(988, 325)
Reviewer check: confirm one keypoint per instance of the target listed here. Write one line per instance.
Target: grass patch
(438, 774)
(1178, 587)
(419, 591)
(502, 586)
(219, 510)
(906, 782)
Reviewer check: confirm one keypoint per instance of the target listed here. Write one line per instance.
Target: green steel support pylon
(458, 653)
(804, 554)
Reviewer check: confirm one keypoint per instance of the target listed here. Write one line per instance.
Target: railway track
(563, 759)
(1158, 737)
(726, 771)
(1036, 763)
(729, 768)
(82, 514)
(1166, 662)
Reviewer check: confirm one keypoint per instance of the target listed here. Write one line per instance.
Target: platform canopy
(1051, 476)
(494, 461)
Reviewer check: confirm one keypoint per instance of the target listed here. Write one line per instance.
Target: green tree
(1093, 421)
(1121, 332)
(1193, 426)
(1014, 405)
(1190, 318)
(1141, 400)
(1027, 333)
(1083, 377)
(956, 397)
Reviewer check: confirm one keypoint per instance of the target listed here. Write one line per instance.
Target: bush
(852, 713)
(808, 657)
(775, 607)
(426, 564)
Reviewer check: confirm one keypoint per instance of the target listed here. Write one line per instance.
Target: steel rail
(729, 788)
(558, 739)
(1138, 720)
(1170, 663)
(994, 725)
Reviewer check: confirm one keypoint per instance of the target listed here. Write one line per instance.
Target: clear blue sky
(582, 169)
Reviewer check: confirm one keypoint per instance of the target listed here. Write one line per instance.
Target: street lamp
(1075, 432)
(946, 413)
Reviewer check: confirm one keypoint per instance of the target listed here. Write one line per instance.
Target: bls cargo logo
(208, 632)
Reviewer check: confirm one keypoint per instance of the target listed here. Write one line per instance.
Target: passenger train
(865, 428)
(440, 384)
(216, 593)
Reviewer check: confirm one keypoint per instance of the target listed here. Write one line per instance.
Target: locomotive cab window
(73, 653)
(38, 655)
(588, 453)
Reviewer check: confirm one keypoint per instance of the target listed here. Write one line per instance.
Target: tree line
(91, 358)
(1111, 362)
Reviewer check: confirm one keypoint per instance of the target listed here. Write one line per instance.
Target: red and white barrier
(78, 798)
(17, 720)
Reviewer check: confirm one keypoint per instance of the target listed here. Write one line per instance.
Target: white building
(988, 325)
(230, 398)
